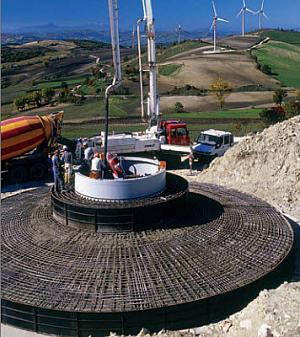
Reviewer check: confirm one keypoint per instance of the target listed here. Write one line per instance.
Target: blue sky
(191, 14)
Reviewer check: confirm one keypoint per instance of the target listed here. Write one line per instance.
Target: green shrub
(272, 115)
(178, 107)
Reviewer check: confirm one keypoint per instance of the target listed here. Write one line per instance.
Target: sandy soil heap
(266, 165)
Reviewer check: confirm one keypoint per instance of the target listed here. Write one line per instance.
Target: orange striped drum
(22, 134)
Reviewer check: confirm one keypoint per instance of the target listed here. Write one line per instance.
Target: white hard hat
(65, 147)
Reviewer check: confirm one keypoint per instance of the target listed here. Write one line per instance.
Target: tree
(20, 103)
(36, 98)
(266, 69)
(273, 115)
(292, 108)
(48, 94)
(178, 107)
(279, 96)
(64, 85)
(220, 89)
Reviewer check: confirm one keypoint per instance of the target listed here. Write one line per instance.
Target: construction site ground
(268, 166)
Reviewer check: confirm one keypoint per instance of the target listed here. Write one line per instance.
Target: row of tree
(34, 99)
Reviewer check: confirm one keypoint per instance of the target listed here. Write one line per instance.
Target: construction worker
(67, 160)
(96, 167)
(58, 183)
(88, 154)
(78, 151)
(115, 165)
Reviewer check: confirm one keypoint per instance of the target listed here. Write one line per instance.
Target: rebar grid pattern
(45, 264)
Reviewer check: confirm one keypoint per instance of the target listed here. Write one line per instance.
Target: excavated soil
(266, 165)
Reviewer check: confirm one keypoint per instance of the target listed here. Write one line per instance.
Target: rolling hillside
(282, 55)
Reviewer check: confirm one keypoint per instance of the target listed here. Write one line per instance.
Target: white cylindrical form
(147, 180)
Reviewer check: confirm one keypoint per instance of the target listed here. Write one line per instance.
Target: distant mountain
(93, 31)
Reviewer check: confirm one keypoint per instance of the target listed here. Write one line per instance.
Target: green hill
(291, 37)
(282, 57)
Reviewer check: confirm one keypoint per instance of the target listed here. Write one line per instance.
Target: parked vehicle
(212, 143)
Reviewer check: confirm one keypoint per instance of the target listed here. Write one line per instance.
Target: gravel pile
(266, 165)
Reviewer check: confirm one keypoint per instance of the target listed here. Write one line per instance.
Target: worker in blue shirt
(58, 183)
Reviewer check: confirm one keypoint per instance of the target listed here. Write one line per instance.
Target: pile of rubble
(266, 165)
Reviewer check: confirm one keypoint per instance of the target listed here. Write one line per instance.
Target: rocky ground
(266, 165)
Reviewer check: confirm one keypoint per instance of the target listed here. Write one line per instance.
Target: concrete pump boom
(115, 44)
(153, 109)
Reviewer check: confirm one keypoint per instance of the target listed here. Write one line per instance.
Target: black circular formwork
(112, 216)
(61, 280)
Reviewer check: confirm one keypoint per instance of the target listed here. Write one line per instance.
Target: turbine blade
(250, 11)
(212, 26)
(244, 3)
(220, 19)
(214, 7)
(240, 12)
(262, 5)
(265, 15)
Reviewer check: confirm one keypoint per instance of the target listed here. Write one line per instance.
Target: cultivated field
(201, 70)
(189, 64)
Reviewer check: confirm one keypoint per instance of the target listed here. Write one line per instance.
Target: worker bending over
(97, 166)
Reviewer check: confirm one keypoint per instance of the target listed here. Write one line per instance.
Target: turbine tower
(133, 37)
(260, 14)
(179, 30)
(243, 11)
(214, 24)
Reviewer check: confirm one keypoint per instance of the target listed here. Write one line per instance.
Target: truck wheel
(18, 174)
(38, 171)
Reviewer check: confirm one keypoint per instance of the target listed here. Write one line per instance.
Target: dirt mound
(266, 165)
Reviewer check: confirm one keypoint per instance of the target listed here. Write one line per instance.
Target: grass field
(283, 36)
(284, 60)
(57, 84)
(164, 54)
(223, 114)
(119, 107)
(87, 130)
(169, 69)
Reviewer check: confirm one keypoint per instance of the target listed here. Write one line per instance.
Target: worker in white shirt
(96, 167)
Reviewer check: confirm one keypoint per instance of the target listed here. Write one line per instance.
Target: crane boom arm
(153, 110)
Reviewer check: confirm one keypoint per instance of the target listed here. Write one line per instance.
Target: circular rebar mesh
(230, 241)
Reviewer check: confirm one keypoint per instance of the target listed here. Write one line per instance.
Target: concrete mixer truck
(25, 144)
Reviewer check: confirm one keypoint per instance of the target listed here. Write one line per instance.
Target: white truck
(212, 143)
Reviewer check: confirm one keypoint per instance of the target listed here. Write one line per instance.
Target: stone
(264, 331)
(246, 324)
(143, 333)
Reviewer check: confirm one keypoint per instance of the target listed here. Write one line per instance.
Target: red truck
(175, 132)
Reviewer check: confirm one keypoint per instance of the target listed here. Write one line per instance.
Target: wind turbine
(214, 24)
(179, 30)
(243, 11)
(261, 13)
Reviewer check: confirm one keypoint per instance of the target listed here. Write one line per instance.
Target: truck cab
(174, 132)
(212, 143)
